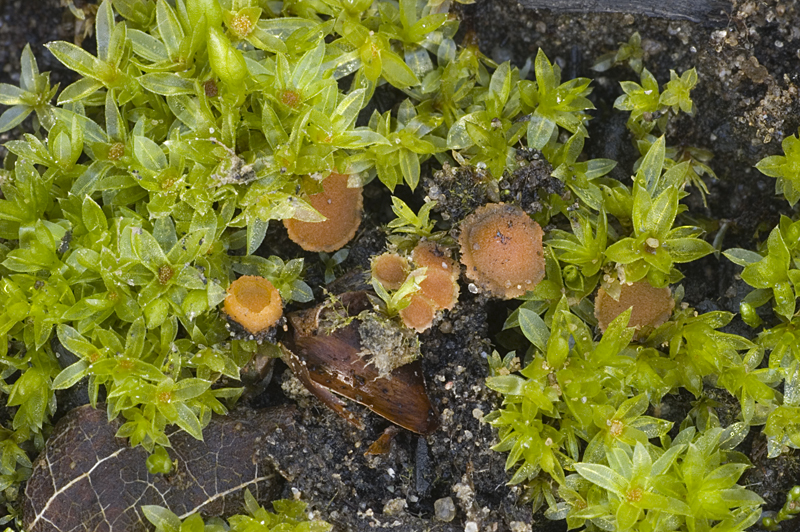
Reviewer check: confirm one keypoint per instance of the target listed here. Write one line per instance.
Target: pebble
(445, 509)
(395, 507)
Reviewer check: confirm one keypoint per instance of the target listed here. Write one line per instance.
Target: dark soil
(746, 102)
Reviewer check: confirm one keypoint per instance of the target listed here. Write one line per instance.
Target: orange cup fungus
(340, 205)
(419, 313)
(650, 307)
(390, 269)
(440, 285)
(439, 289)
(502, 249)
(254, 303)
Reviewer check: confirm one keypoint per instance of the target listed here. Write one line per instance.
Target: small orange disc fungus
(254, 303)
(437, 291)
(439, 288)
(502, 249)
(340, 205)
(419, 314)
(390, 269)
(650, 306)
(440, 285)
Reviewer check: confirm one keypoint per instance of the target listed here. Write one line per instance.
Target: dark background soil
(747, 60)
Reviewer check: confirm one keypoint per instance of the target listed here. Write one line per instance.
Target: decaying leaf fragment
(384, 443)
(327, 361)
(88, 479)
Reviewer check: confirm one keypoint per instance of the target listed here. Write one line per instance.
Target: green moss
(288, 516)
(788, 511)
(785, 169)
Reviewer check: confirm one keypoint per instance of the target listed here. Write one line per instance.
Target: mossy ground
(746, 100)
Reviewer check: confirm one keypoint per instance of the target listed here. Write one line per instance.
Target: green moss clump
(287, 516)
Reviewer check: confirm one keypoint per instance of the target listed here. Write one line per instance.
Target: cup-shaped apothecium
(501, 246)
(254, 303)
(340, 205)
